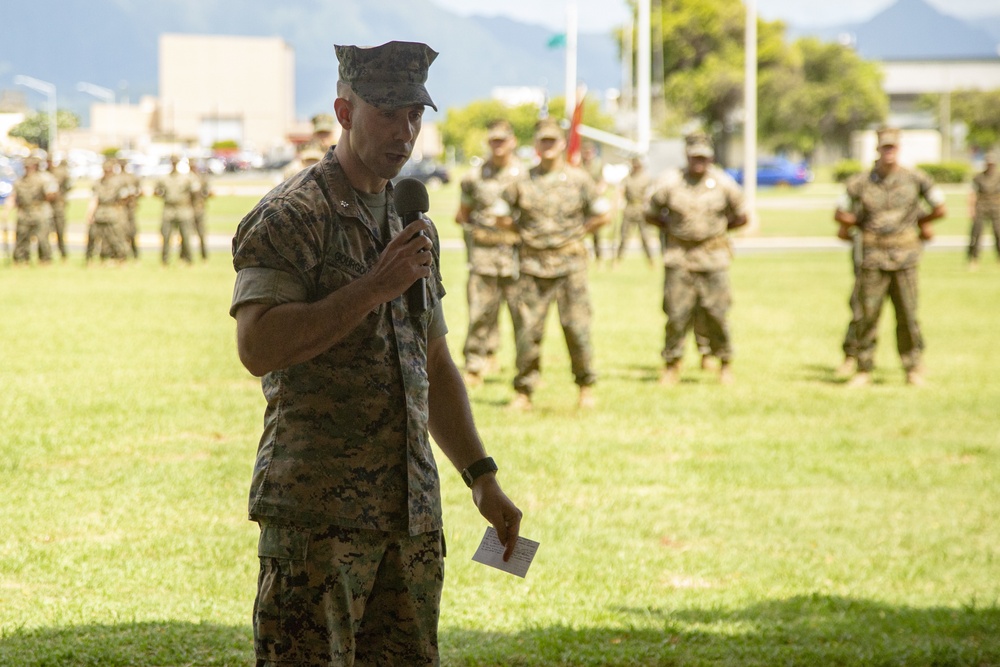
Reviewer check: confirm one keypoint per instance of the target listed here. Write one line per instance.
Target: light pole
(45, 88)
(750, 116)
(104, 94)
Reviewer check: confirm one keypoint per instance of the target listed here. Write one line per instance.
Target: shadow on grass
(807, 631)
(154, 644)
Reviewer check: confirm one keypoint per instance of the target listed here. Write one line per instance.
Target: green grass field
(785, 520)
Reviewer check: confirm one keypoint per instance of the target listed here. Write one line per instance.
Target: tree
(465, 129)
(35, 128)
(977, 109)
(808, 92)
(703, 58)
(821, 94)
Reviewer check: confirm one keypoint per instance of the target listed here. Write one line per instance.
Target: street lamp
(45, 88)
(107, 96)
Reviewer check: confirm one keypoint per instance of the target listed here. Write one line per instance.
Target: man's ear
(342, 109)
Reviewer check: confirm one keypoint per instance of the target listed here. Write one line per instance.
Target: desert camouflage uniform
(345, 473)
(177, 191)
(697, 256)
(888, 210)
(636, 189)
(987, 189)
(34, 215)
(551, 210)
(131, 228)
(492, 262)
(108, 232)
(61, 175)
(199, 197)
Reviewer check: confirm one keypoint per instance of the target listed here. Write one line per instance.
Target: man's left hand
(499, 510)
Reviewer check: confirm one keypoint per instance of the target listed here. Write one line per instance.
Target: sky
(598, 15)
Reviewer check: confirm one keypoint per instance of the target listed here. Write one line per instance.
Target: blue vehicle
(7, 178)
(777, 171)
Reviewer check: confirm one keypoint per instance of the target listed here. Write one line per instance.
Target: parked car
(428, 172)
(777, 171)
(7, 178)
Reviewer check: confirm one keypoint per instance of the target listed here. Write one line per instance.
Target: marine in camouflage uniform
(134, 185)
(32, 196)
(345, 487)
(696, 207)
(886, 206)
(199, 198)
(107, 217)
(492, 250)
(555, 208)
(60, 173)
(635, 192)
(985, 206)
(592, 163)
(177, 191)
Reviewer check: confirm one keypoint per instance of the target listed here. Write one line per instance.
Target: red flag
(573, 141)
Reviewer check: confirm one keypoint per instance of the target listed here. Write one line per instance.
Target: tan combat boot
(860, 379)
(726, 374)
(671, 374)
(521, 403)
(586, 401)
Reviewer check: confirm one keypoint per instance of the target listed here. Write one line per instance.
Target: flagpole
(571, 29)
(750, 117)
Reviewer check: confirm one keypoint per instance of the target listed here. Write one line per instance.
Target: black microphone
(410, 200)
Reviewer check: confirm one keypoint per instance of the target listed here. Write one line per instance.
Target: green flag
(557, 41)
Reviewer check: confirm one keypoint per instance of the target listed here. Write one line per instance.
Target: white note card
(490, 552)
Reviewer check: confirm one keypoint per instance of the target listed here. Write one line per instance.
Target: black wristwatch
(478, 469)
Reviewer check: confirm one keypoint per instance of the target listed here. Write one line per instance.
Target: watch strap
(478, 469)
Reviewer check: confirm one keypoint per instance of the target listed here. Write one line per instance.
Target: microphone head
(410, 196)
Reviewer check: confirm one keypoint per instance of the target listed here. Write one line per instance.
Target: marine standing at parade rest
(553, 210)
(177, 191)
(134, 185)
(32, 198)
(107, 216)
(591, 162)
(492, 250)
(60, 172)
(356, 376)
(985, 207)
(886, 206)
(200, 193)
(636, 188)
(696, 208)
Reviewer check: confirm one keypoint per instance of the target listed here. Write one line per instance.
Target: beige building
(218, 88)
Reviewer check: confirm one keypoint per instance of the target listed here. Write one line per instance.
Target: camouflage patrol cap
(31, 161)
(311, 155)
(888, 136)
(499, 129)
(548, 128)
(698, 145)
(990, 157)
(323, 122)
(390, 76)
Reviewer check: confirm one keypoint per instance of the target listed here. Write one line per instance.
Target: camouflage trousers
(32, 229)
(857, 314)
(59, 226)
(535, 295)
(901, 287)
(199, 229)
(630, 222)
(107, 239)
(131, 230)
(180, 219)
(343, 597)
(698, 300)
(979, 221)
(486, 294)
